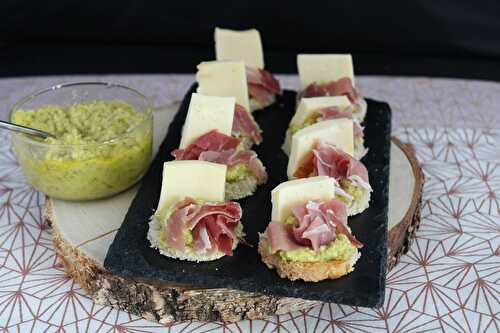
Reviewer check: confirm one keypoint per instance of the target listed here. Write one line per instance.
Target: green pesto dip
(101, 148)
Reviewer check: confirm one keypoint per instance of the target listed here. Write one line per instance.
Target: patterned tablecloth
(448, 281)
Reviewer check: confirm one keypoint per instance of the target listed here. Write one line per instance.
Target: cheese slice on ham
(224, 78)
(196, 179)
(337, 132)
(312, 104)
(207, 113)
(323, 68)
(244, 45)
(293, 193)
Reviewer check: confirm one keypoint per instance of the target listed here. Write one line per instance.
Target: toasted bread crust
(359, 149)
(245, 187)
(307, 271)
(360, 116)
(240, 189)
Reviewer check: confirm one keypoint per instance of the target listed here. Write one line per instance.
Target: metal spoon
(26, 130)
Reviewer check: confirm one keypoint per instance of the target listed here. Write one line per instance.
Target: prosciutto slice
(232, 157)
(219, 148)
(262, 85)
(212, 226)
(342, 86)
(211, 141)
(280, 237)
(245, 125)
(326, 160)
(317, 225)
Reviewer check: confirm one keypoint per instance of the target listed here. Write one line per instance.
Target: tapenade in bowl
(103, 139)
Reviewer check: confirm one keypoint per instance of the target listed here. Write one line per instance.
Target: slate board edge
(120, 267)
(387, 157)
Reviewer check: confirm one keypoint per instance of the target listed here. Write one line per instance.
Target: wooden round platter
(83, 232)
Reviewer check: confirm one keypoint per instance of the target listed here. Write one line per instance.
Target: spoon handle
(25, 130)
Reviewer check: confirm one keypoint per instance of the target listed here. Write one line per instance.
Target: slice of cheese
(197, 179)
(312, 104)
(337, 132)
(322, 68)
(293, 193)
(207, 113)
(243, 45)
(224, 78)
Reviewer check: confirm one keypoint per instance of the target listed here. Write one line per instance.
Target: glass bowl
(86, 171)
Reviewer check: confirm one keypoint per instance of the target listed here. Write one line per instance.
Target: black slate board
(130, 254)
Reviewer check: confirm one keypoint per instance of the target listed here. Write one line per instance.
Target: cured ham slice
(316, 225)
(326, 160)
(262, 85)
(211, 141)
(233, 157)
(340, 87)
(245, 125)
(260, 94)
(212, 226)
(280, 237)
(219, 148)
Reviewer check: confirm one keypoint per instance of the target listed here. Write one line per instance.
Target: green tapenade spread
(101, 148)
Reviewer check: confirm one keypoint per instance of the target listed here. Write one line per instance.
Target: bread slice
(359, 148)
(189, 254)
(360, 116)
(256, 105)
(307, 271)
(358, 206)
(287, 145)
(243, 188)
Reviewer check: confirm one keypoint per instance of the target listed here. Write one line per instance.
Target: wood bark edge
(402, 234)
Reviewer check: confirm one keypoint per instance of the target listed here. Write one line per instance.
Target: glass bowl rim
(105, 84)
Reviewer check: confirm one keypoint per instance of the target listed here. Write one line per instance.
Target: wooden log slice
(406, 182)
(83, 232)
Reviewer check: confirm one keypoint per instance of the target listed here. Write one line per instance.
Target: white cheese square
(307, 106)
(322, 68)
(207, 113)
(244, 45)
(337, 132)
(196, 179)
(224, 78)
(293, 193)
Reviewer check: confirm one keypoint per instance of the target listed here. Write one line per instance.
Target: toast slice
(243, 188)
(307, 271)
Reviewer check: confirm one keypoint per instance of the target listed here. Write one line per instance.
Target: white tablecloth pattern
(449, 280)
